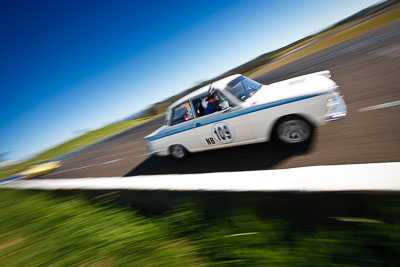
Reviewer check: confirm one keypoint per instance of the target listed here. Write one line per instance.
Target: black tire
(178, 152)
(293, 130)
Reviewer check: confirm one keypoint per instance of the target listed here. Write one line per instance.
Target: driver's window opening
(208, 104)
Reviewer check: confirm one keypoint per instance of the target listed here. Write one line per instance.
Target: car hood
(310, 84)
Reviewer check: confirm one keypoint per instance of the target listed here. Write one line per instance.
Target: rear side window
(181, 113)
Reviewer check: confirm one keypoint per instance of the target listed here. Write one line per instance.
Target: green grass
(71, 145)
(42, 228)
(37, 229)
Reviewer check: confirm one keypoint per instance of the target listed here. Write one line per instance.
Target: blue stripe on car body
(226, 116)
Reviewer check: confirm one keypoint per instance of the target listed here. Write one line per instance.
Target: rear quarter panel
(183, 134)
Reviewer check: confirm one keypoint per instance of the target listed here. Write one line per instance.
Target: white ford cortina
(237, 111)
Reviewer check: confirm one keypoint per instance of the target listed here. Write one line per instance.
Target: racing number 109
(222, 133)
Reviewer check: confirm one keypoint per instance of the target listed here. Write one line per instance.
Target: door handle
(198, 124)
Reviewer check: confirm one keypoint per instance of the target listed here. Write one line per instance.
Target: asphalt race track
(367, 71)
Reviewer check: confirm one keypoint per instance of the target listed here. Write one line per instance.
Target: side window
(208, 104)
(181, 113)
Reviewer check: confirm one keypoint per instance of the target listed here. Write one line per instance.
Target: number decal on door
(223, 133)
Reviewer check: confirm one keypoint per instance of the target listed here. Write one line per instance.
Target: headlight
(336, 90)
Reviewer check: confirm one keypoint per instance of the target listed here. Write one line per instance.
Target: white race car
(237, 111)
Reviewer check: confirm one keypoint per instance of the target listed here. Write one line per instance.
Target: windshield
(243, 87)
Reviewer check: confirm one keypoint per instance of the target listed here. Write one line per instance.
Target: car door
(224, 127)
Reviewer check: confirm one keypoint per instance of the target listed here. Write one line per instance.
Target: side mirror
(224, 104)
(226, 109)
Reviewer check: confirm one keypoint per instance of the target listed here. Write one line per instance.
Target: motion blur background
(83, 82)
(69, 67)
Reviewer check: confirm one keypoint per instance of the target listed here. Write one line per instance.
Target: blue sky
(73, 65)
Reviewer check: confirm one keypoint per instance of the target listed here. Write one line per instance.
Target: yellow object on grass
(40, 169)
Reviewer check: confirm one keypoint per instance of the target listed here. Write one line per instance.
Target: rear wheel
(293, 130)
(178, 151)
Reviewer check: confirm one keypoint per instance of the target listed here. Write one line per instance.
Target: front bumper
(336, 108)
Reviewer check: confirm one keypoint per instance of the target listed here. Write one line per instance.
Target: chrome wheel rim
(177, 151)
(294, 131)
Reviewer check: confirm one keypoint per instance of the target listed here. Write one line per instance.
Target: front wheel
(178, 151)
(293, 130)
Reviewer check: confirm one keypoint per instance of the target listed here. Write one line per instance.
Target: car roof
(219, 84)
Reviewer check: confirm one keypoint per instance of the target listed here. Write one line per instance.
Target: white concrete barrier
(352, 177)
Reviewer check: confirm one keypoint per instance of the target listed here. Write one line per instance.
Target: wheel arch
(177, 143)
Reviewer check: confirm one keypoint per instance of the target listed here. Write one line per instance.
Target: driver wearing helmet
(210, 106)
